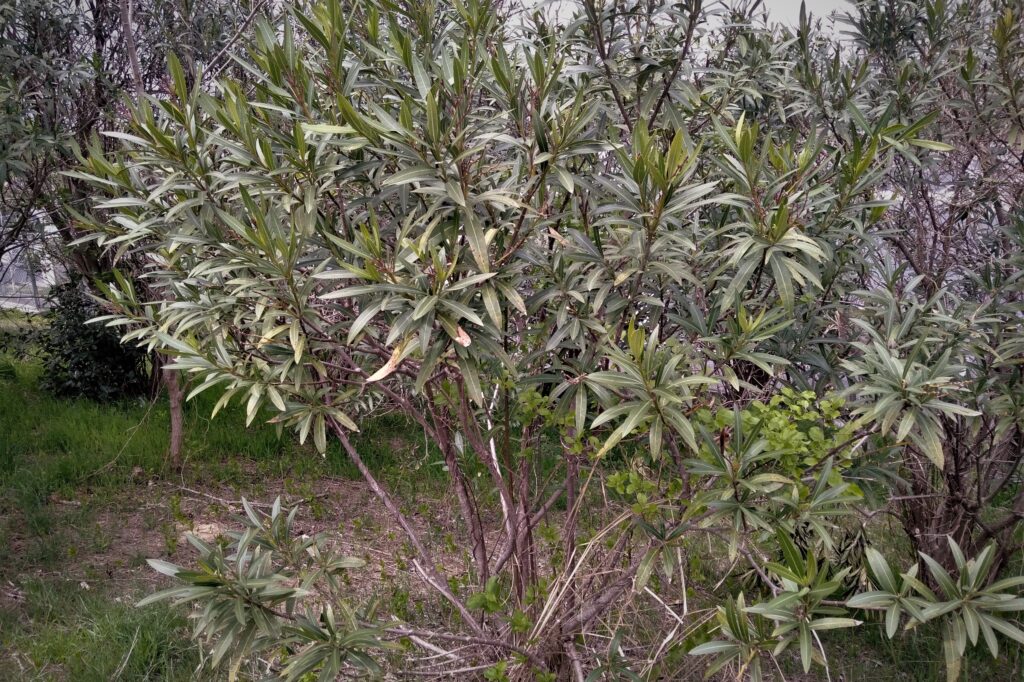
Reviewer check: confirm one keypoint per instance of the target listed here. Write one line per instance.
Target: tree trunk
(128, 35)
(176, 402)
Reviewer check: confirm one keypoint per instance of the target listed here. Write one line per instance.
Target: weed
(399, 603)
(170, 534)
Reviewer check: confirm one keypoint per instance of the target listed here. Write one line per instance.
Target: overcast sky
(788, 11)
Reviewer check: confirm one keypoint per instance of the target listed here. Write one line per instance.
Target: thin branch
(213, 68)
(695, 10)
(425, 566)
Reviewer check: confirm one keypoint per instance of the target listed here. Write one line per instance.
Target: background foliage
(84, 360)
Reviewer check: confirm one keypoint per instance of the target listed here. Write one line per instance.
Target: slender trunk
(525, 568)
(571, 668)
(464, 493)
(571, 486)
(175, 399)
(128, 35)
(30, 268)
(470, 513)
(488, 458)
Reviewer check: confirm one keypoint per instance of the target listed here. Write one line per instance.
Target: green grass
(18, 334)
(64, 631)
(53, 448)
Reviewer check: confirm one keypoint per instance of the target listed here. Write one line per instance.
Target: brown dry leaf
(391, 365)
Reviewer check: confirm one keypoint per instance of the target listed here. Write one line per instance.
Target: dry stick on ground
(447, 674)
(131, 434)
(238, 503)
(574, 659)
(562, 583)
(482, 640)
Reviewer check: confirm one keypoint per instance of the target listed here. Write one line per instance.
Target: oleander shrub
(643, 274)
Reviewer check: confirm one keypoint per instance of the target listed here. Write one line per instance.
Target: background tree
(67, 73)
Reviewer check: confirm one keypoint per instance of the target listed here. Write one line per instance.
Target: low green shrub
(85, 360)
